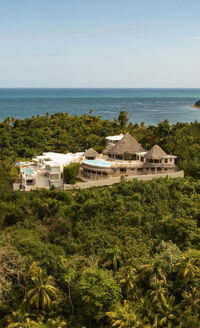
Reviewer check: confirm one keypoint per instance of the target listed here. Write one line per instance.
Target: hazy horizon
(114, 88)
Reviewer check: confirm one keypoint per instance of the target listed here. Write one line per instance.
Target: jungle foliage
(126, 255)
(121, 256)
(23, 139)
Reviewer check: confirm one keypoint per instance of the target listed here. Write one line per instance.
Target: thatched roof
(155, 153)
(127, 145)
(91, 153)
(107, 149)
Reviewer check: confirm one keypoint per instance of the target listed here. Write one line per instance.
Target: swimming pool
(97, 162)
(28, 170)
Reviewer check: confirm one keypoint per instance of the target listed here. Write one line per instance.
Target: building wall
(112, 181)
(94, 173)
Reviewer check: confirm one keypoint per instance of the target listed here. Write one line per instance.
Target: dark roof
(155, 153)
(91, 153)
(127, 145)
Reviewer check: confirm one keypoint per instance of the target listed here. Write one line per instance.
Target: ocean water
(148, 105)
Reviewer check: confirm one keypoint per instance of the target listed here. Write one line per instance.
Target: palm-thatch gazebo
(155, 154)
(157, 161)
(91, 154)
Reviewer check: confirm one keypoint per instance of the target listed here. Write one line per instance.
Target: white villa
(123, 156)
(46, 170)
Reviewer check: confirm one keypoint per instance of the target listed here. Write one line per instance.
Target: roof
(115, 138)
(127, 145)
(58, 158)
(155, 153)
(91, 153)
(107, 149)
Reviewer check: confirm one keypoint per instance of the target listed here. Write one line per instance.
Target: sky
(100, 43)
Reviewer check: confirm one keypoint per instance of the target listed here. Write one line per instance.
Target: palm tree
(43, 292)
(188, 270)
(159, 291)
(191, 300)
(157, 295)
(168, 313)
(56, 323)
(125, 317)
(112, 258)
(128, 282)
(27, 324)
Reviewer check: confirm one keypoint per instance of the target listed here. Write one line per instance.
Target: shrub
(70, 172)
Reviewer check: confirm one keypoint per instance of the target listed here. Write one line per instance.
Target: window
(166, 160)
(55, 169)
(54, 176)
(122, 170)
(55, 183)
(30, 182)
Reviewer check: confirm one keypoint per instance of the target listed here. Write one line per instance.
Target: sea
(143, 105)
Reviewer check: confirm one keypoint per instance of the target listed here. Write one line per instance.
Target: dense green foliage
(197, 103)
(23, 139)
(70, 172)
(123, 119)
(127, 253)
(123, 256)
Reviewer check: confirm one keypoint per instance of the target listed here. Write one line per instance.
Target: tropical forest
(122, 256)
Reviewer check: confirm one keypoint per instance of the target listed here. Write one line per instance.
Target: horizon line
(103, 88)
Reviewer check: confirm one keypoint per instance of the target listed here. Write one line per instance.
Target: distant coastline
(194, 106)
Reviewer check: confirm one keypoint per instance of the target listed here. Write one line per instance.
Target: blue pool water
(148, 105)
(97, 162)
(28, 170)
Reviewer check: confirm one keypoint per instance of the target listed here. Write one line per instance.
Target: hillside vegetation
(23, 139)
(126, 254)
(121, 256)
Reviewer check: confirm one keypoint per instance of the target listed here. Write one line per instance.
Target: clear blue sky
(100, 43)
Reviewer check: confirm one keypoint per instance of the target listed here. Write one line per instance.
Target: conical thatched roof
(127, 145)
(91, 153)
(155, 153)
